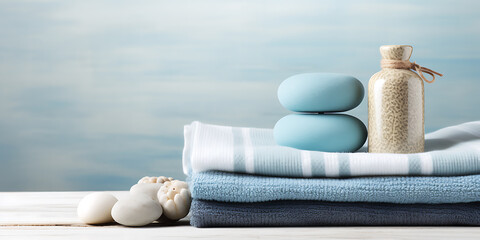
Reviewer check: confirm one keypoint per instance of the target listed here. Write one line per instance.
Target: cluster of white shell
(160, 179)
(151, 199)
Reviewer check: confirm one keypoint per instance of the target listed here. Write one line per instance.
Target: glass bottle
(396, 106)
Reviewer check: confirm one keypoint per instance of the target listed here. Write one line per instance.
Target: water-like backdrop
(94, 94)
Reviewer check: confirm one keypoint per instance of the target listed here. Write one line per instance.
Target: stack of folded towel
(240, 177)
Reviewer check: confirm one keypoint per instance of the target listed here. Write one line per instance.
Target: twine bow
(399, 64)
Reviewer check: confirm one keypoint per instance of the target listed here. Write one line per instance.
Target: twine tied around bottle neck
(399, 64)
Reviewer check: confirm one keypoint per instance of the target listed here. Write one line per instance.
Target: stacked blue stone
(319, 127)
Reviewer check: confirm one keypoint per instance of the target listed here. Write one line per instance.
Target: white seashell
(95, 208)
(150, 189)
(175, 199)
(160, 179)
(163, 179)
(147, 179)
(144, 180)
(136, 210)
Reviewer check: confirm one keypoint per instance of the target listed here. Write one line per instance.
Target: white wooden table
(52, 215)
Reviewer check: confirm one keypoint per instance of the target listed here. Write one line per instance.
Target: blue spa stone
(320, 92)
(321, 132)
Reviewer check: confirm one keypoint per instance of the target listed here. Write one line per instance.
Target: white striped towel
(449, 151)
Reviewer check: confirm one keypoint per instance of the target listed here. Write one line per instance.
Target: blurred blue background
(94, 94)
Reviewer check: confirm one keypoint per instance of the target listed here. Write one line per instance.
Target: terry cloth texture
(450, 151)
(316, 213)
(235, 187)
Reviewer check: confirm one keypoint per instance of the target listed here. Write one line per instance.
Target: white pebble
(149, 189)
(95, 208)
(136, 210)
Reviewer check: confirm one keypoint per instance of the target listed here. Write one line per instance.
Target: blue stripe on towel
(318, 164)
(238, 151)
(414, 166)
(344, 165)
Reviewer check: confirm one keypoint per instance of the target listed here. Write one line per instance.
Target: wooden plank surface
(51, 215)
(29, 208)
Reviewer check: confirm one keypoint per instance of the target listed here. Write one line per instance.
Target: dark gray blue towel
(317, 213)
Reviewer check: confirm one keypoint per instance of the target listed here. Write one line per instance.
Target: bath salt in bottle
(396, 103)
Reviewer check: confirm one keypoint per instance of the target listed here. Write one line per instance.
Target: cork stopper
(396, 52)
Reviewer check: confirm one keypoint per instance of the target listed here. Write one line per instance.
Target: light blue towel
(234, 187)
(449, 151)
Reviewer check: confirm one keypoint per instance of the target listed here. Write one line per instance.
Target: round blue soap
(320, 92)
(321, 132)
